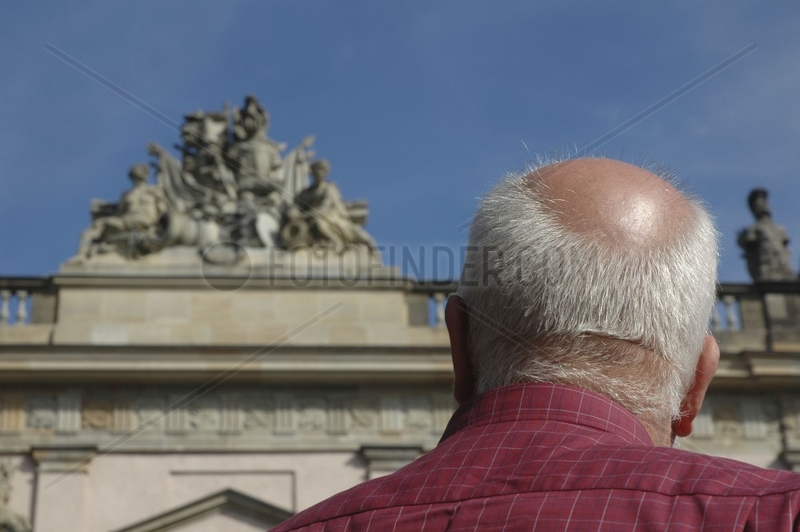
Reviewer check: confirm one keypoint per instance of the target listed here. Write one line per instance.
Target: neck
(659, 431)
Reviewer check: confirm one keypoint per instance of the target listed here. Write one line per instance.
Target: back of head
(594, 273)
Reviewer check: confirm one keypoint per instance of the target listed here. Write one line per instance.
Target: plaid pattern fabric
(551, 457)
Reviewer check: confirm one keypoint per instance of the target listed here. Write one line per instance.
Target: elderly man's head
(594, 273)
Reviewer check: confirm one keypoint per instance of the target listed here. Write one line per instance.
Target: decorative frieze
(754, 426)
(123, 417)
(419, 414)
(285, 418)
(255, 417)
(391, 415)
(247, 416)
(443, 407)
(176, 418)
(41, 412)
(151, 412)
(703, 425)
(12, 419)
(258, 412)
(729, 419)
(68, 416)
(363, 414)
(97, 414)
(790, 420)
(202, 414)
(337, 416)
(312, 414)
(232, 419)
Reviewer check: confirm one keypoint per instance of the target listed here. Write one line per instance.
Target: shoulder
(157, 190)
(384, 495)
(678, 472)
(532, 481)
(329, 186)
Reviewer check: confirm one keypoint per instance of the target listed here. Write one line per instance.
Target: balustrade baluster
(22, 307)
(5, 297)
(439, 297)
(730, 313)
(716, 322)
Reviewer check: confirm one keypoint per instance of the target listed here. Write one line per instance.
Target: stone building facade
(135, 396)
(134, 402)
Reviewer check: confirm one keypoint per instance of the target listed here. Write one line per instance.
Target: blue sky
(419, 105)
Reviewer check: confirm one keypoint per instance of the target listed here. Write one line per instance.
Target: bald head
(605, 269)
(618, 202)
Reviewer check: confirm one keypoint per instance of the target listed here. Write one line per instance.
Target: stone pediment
(228, 510)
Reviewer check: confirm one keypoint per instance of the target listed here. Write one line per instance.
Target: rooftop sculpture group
(232, 185)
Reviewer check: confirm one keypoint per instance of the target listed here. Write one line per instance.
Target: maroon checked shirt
(551, 457)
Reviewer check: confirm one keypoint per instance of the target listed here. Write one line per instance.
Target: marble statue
(319, 217)
(256, 220)
(9, 521)
(765, 243)
(130, 225)
(254, 157)
(205, 142)
(231, 184)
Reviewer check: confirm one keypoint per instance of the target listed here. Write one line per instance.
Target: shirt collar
(548, 402)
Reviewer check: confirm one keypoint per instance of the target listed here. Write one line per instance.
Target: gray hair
(548, 304)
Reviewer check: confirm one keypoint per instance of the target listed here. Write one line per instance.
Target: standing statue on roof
(765, 243)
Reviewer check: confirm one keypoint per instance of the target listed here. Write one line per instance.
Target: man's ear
(706, 367)
(456, 316)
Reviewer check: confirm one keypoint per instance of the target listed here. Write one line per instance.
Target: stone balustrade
(747, 317)
(437, 293)
(18, 300)
(757, 317)
(725, 315)
(17, 296)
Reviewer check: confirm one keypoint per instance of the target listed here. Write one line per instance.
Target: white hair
(549, 304)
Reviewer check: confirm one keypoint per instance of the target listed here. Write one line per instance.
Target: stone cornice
(238, 282)
(263, 366)
(402, 365)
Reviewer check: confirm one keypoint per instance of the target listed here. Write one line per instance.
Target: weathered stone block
(110, 334)
(80, 305)
(254, 306)
(25, 334)
(150, 334)
(168, 306)
(124, 306)
(348, 335)
(73, 333)
(211, 306)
